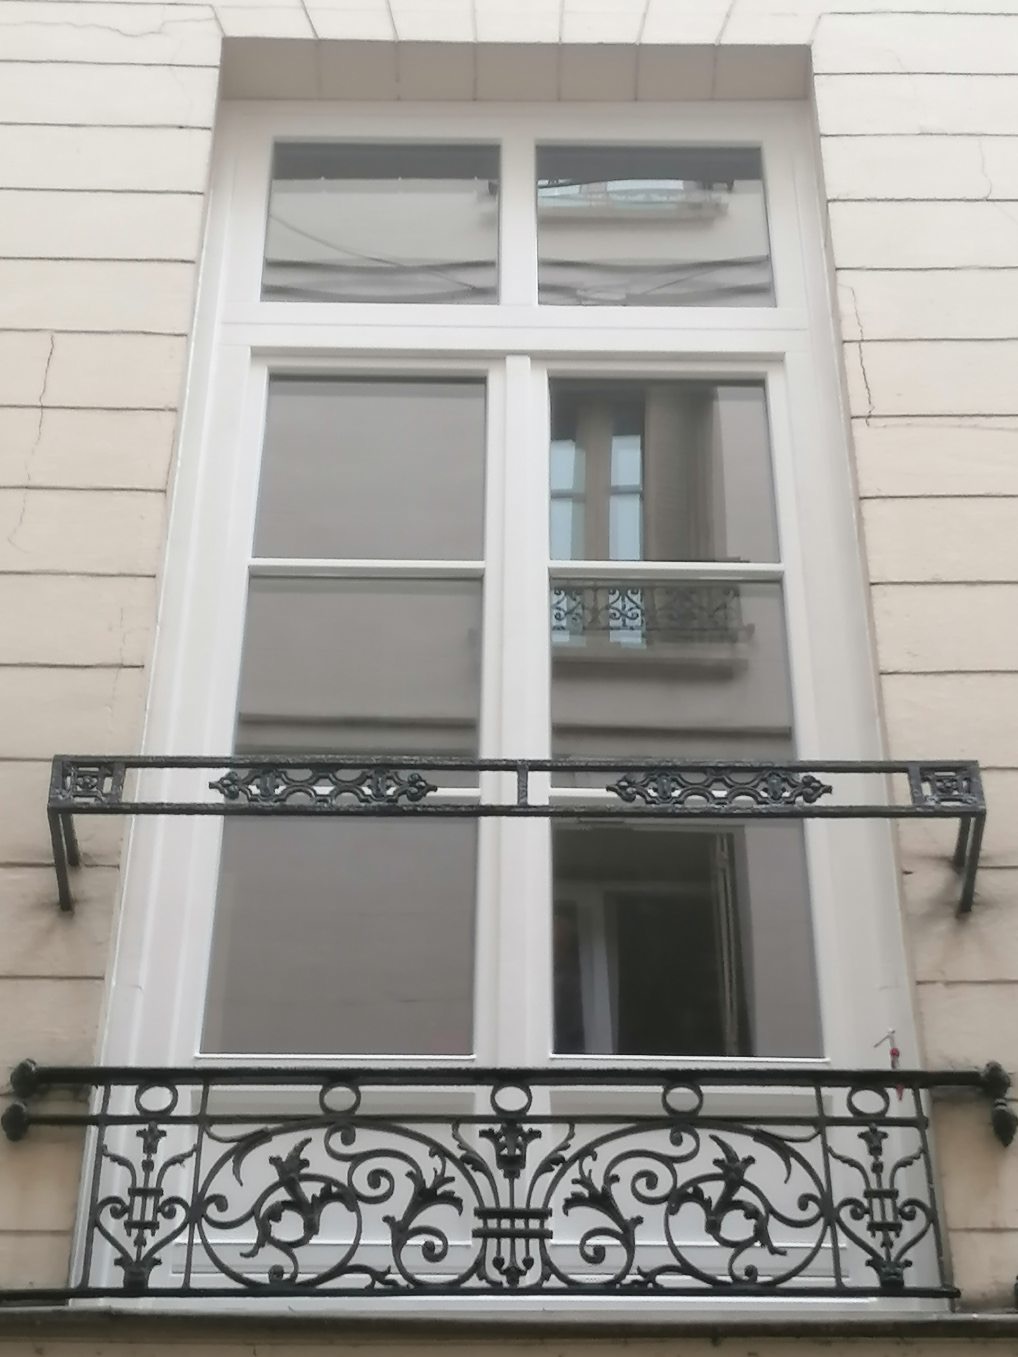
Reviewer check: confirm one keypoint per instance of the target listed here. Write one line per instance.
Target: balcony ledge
(114, 1324)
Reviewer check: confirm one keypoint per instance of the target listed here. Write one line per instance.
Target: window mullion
(524, 725)
(524, 966)
(518, 222)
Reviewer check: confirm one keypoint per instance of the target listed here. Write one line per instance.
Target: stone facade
(107, 111)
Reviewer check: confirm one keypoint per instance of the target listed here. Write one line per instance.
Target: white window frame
(239, 340)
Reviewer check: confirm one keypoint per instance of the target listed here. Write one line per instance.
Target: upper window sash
(522, 140)
(412, 222)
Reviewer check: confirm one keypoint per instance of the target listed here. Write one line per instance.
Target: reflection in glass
(652, 226)
(678, 669)
(348, 464)
(658, 952)
(567, 492)
(661, 471)
(587, 613)
(355, 222)
(388, 666)
(671, 941)
(354, 937)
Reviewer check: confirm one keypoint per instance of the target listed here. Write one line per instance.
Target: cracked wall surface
(106, 116)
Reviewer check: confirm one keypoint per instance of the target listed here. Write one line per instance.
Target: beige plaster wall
(106, 116)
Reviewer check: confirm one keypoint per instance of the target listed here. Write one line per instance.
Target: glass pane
(669, 670)
(625, 523)
(675, 942)
(346, 937)
(652, 226)
(374, 666)
(566, 523)
(382, 223)
(349, 466)
(627, 461)
(693, 459)
(566, 466)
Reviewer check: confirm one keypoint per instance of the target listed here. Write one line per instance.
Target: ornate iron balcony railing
(288, 1182)
(637, 789)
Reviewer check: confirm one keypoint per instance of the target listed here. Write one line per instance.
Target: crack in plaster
(392, 20)
(717, 47)
(643, 24)
(40, 402)
(981, 152)
(311, 24)
(159, 31)
(725, 22)
(860, 342)
(941, 422)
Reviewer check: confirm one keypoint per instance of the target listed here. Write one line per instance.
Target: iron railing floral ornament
(633, 788)
(454, 1182)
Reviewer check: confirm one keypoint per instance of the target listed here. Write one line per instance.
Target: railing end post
(25, 1078)
(1004, 1121)
(995, 1085)
(15, 1121)
(995, 1079)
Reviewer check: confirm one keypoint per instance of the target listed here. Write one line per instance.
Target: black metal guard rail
(444, 1182)
(377, 786)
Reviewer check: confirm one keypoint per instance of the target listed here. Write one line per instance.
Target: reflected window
(661, 471)
(568, 498)
(625, 495)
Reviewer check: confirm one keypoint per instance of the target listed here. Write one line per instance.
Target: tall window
(512, 436)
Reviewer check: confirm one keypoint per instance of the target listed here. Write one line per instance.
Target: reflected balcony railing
(280, 1183)
(647, 615)
(612, 789)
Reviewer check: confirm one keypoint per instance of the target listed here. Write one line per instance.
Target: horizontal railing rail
(370, 785)
(274, 1183)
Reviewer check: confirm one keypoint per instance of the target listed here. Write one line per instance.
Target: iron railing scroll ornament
(634, 789)
(447, 1182)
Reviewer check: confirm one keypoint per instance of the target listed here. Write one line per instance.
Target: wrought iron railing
(282, 1182)
(243, 785)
